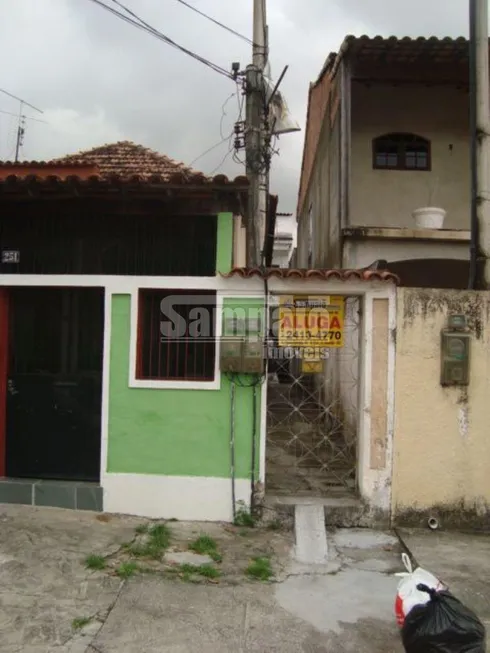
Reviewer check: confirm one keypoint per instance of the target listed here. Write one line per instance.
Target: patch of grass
(95, 562)
(80, 622)
(206, 545)
(142, 529)
(206, 571)
(127, 569)
(274, 525)
(158, 540)
(160, 535)
(260, 569)
(243, 516)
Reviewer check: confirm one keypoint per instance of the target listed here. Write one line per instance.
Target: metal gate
(312, 419)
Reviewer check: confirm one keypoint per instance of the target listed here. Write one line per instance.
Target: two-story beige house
(387, 134)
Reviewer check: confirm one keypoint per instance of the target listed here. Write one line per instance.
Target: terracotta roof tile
(297, 273)
(126, 159)
(122, 162)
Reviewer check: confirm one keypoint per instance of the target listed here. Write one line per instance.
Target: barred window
(176, 335)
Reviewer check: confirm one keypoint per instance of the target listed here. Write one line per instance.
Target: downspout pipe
(482, 143)
(472, 282)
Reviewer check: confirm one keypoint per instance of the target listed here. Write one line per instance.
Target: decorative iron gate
(312, 419)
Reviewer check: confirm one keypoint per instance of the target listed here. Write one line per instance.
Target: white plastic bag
(407, 595)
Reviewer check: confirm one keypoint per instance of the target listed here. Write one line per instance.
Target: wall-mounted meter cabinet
(231, 354)
(242, 347)
(455, 352)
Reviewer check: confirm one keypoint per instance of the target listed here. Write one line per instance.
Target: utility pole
(479, 32)
(20, 133)
(22, 121)
(255, 137)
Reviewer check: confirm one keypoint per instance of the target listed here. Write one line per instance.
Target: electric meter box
(455, 353)
(242, 346)
(231, 354)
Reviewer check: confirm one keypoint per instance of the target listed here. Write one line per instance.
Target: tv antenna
(22, 121)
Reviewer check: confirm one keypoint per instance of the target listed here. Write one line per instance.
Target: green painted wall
(173, 432)
(224, 249)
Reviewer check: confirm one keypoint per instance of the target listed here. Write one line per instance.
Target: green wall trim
(224, 247)
(175, 432)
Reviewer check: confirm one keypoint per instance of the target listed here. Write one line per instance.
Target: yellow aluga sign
(311, 321)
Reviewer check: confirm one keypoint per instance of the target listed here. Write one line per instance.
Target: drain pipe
(472, 282)
(254, 447)
(232, 449)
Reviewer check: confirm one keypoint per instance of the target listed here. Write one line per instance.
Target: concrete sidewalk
(345, 605)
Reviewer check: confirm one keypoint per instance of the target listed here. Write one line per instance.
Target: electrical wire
(16, 115)
(230, 150)
(224, 114)
(223, 137)
(140, 24)
(216, 22)
(210, 149)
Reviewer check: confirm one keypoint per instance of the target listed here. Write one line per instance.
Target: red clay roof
(400, 50)
(127, 159)
(119, 162)
(297, 273)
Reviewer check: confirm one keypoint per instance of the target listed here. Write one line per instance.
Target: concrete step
(341, 508)
(311, 536)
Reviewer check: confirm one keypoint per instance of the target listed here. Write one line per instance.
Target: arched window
(401, 152)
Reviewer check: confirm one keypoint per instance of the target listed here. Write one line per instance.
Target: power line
(210, 149)
(221, 162)
(216, 22)
(20, 100)
(16, 115)
(140, 24)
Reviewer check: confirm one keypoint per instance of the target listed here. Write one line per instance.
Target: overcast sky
(99, 80)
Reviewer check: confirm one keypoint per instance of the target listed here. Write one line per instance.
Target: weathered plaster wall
(442, 444)
(361, 253)
(388, 197)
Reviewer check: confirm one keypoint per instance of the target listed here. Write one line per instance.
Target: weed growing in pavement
(206, 571)
(158, 541)
(80, 622)
(142, 529)
(260, 569)
(95, 562)
(243, 516)
(126, 569)
(206, 545)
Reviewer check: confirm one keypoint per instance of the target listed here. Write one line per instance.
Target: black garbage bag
(443, 625)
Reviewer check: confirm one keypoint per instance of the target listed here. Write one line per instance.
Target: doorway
(54, 383)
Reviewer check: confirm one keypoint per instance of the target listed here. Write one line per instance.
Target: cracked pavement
(346, 605)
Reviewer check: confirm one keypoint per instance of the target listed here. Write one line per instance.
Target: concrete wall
(388, 197)
(239, 242)
(442, 445)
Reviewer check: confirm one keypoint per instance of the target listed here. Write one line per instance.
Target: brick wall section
(317, 104)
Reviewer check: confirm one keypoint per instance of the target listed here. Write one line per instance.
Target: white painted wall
(388, 197)
(285, 225)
